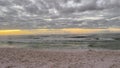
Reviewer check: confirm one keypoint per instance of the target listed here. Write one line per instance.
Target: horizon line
(57, 31)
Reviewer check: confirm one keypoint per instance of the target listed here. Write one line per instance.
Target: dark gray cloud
(59, 13)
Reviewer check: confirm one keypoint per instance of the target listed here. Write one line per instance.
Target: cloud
(108, 3)
(85, 5)
(59, 13)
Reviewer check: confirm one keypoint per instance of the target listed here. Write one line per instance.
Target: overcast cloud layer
(27, 14)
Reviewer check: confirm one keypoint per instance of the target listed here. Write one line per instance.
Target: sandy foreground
(50, 58)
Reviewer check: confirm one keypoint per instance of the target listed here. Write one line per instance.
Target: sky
(35, 14)
(81, 31)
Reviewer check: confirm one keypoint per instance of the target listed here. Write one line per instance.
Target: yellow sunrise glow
(56, 31)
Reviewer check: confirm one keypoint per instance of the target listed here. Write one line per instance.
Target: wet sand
(51, 58)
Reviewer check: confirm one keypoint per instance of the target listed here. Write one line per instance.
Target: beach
(58, 58)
